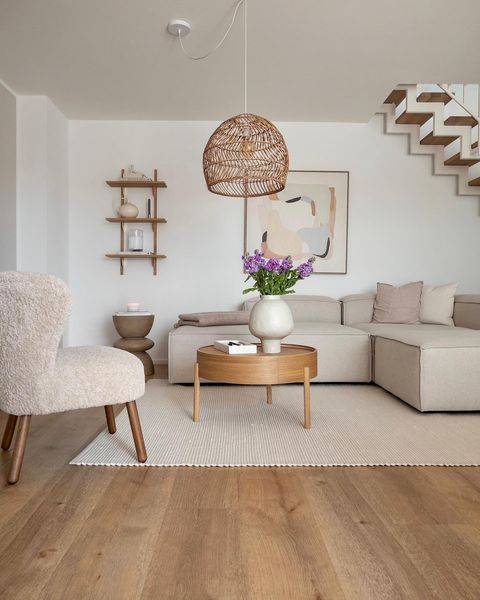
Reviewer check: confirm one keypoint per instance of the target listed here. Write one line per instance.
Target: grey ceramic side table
(133, 330)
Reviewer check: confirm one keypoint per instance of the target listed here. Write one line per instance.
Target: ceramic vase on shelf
(271, 320)
(128, 211)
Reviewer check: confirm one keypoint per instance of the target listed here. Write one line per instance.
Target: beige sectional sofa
(431, 367)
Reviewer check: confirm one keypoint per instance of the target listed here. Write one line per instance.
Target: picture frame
(308, 218)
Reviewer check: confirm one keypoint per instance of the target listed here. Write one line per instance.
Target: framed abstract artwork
(308, 218)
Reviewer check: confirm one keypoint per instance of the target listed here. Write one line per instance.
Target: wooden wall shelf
(125, 183)
(139, 255)
(135, 220)
(154, 185)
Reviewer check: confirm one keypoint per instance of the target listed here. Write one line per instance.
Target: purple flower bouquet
(274, 277)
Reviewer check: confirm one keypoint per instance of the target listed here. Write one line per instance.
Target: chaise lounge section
(431, 367)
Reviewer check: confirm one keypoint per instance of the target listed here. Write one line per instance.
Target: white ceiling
(309, 60)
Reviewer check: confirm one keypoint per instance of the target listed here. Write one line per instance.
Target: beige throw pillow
(397, 304)
(436, 304)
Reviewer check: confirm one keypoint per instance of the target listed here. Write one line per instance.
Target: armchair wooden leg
(9, 431)
(136, 431)
(19, 448)
(112, 427)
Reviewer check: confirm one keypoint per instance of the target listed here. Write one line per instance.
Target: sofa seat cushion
(424, 335)
(431, 367)
(343, 352)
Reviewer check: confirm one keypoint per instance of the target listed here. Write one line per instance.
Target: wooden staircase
(450, 136)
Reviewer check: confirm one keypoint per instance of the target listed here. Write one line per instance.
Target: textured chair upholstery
(36, 377)
(94, 376)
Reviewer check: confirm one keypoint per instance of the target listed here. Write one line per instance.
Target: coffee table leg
(269, 394)
(196, 394)
(306, 397)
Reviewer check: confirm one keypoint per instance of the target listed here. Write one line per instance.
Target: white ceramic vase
(128, 211)
(271, 320)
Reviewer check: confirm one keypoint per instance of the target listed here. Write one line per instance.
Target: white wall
(42, 178)
(31, 178)
(405, 224)
(8, 145)
(57, 192)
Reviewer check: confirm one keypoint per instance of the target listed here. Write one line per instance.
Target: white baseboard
(160, 361)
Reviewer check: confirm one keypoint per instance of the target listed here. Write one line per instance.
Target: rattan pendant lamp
(246, 156)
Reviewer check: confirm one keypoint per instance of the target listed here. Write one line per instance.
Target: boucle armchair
(36, 378)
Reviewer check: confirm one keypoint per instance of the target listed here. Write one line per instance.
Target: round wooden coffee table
(294, 364)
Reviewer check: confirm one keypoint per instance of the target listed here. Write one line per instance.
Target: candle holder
(135, 240)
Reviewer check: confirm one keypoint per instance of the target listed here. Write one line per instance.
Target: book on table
(235, 347)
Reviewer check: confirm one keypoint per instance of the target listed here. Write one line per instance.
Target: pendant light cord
(232, 22)
(245, 32)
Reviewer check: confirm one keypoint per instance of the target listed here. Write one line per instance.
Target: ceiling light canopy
(246, 156)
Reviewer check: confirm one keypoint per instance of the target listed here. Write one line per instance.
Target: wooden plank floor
(69, 532)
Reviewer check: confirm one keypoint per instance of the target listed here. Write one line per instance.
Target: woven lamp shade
(246, 156)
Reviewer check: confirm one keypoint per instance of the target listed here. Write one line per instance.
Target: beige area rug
(355, 425)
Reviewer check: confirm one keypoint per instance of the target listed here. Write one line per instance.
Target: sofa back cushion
(397, 304)
(308, 309)
(436, 304)
(466, 311)
(357, 308)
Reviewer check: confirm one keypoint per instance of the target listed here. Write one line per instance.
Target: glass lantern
(135, 240)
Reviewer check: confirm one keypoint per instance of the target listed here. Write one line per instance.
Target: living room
(315, 444)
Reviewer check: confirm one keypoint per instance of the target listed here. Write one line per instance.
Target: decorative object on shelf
(154, 220)
(271, 318)
(131, 175)
(149, 209)
(308, 218)
(128, 210)
(246, 156)
(133, 330)
(133, 306)
(135, 240)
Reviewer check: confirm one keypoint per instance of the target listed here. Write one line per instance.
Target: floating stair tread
(116, 183)
(474, 182)
(434, 97)
(407, 118)
(396, 97)
(461, 162)
(438, 140)
(465, 120)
